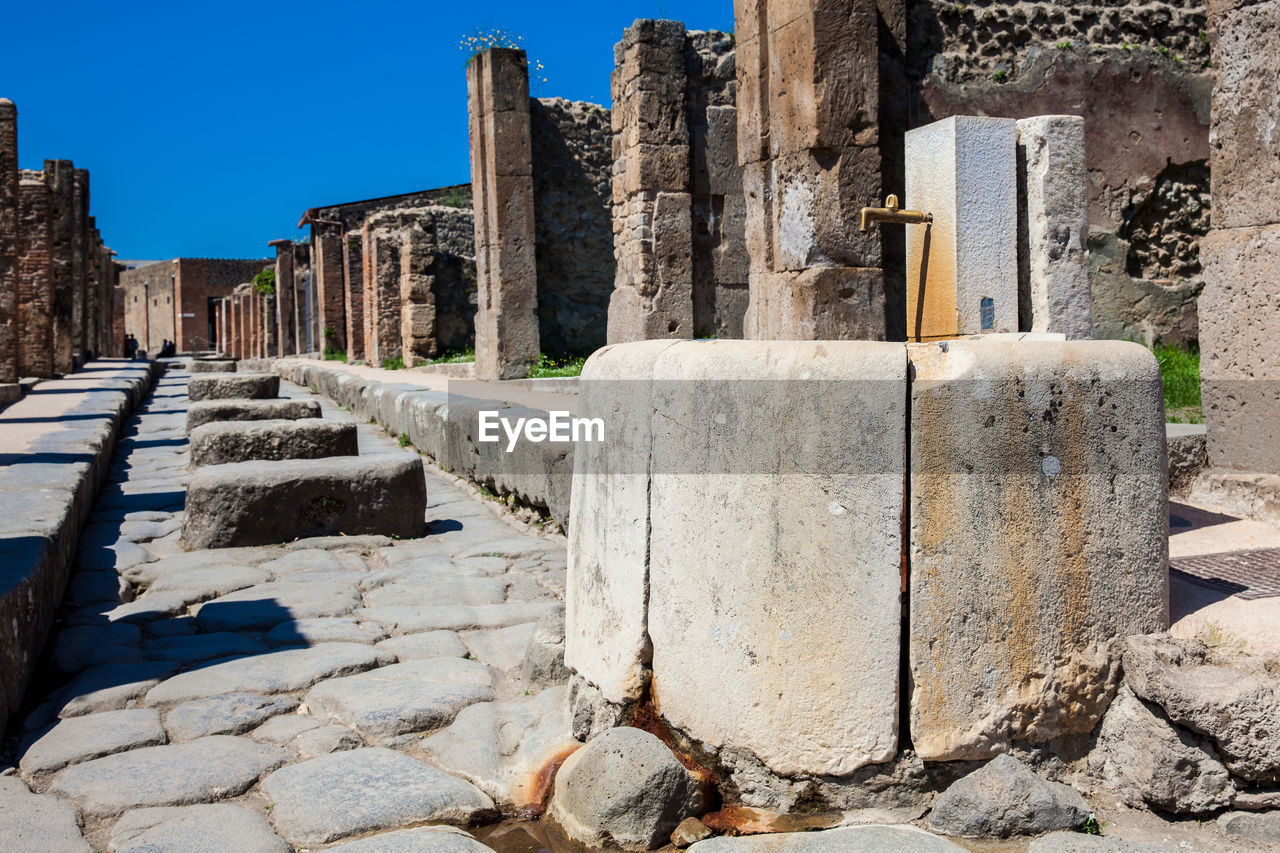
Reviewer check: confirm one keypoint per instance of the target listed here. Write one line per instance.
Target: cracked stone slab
(326, 739)
(34, 823)
(403, 697)
(430, 644)
(501, 648)
(80, 739)
(266, 605)
(503, 747)
(228, 714)
(281, 730)
(213, 828)
(276, 672)
(366, 790)
(199, 771)
(412, 620)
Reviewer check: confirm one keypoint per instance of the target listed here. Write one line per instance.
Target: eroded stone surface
(228, 714)
(82, 738)
(213, 828)
(1004, 798)
(38, 824)
(430, 644)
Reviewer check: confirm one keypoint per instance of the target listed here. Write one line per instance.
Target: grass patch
(554, 366)
(405, 441)
(334, 354)
(1180, 372)
(396, 363)
(455, 356)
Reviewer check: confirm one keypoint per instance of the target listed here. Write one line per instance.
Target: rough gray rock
(245, 441)
(264, 503)
(403, 697)
(199, 414)
(1237, 708)
(1150, 763)
(37, 824)
(1076, 842)
(625, 787)
(366, 790)
(233, 386)
(285, 671)
(1003, 798)
(83, 738)
(228, 714)
(425, 839)
(849, 839)
(214, 828)
(1256, 827)
(431, 644)
(1187, 455)
(203, 770)
(544, 656)
(690, 831)
(589, 712)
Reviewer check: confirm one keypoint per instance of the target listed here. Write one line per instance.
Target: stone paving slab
(79, 739)
(37, 824)
(213, 828)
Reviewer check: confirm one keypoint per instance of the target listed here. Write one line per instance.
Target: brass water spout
(890, 213)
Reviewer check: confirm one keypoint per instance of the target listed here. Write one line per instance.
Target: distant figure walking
(131, 347)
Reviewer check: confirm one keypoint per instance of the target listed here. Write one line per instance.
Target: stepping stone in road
(246, 441)
(285, 671)
(201, 771)
(233, 386)
(366, 790)
(199, 414)
(404, 697)
(228, 714)
(214, 828)
(93, 736)
(37, 824)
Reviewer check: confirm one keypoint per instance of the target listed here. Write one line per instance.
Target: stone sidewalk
(341, 692)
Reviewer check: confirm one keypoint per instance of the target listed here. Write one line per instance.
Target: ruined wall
(10, 246)
(330, 285)
(286, 320)
(353, 277)
(35, 278)
(305, 313)
(572, 157)
(380, 252)
(196, 281)
(1138, 76)
(148, 296)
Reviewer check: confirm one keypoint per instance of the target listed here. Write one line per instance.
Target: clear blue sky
(209, 128)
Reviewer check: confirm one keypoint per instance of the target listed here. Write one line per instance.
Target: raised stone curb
(273, 440)
(48, 499)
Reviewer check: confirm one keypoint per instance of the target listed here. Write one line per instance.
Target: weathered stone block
(962, 270)
(776, 485)
(1053, 227)
(274, 440)
(1240, 365)
(257, 503)
(235, 386)
(199, 414)
(821, 304)
(202, 366)
(816, 200)
(1038, 536)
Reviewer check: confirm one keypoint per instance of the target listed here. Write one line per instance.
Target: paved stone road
(342, 691)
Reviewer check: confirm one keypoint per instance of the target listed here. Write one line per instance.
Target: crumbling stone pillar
(353, 264)
(382, 319)
(808, 143)
(255, 322)
(304, 304)
(35, 279)
(79, 263)
(1239, 312)
(60, 175)
(326, 267)
(502, 190)
(288, 341)
(10, 249)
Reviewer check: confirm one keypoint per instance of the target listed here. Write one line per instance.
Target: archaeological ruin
(798, 452)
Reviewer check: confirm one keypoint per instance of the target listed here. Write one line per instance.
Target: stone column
(1240, 306)
(653, 239)
(354, 276)
(382, 306)
(59, 174)
(92, 271)
(502, 190)
(79, 263)
(326, 268)
(270, 330)
(35, 286)
(962, 270)
(1053, 228)
(288, 341)
(10, 250)
(808, 142)
(417, 299)
(255, 322)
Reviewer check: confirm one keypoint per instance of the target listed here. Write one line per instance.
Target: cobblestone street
(291, 696)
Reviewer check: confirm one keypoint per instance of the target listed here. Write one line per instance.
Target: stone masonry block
(233, 386)
(1244, 137)
(776, 548)
(244, 441)
(199, 414)
(1038, 536)
(822, 304)
(1240, 365)
(816, 201)
(962, 270)
(265, 503)
(1053, 227)
(199, 366)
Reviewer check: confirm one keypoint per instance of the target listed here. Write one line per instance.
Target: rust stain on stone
(742, 820)
(535, 790)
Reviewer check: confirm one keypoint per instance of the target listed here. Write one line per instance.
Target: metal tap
(890, 213)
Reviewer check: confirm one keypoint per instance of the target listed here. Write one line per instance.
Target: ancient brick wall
(10, 245)
(572, 156)
(35, 278)
(196, 281)
(305, 313)
(327, 268)
(353, 276)
(1138, 74)
(286, 320)
(79, 262)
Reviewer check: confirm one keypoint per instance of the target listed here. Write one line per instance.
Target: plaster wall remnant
(35, 279)
(502, 185)
(10, 249)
